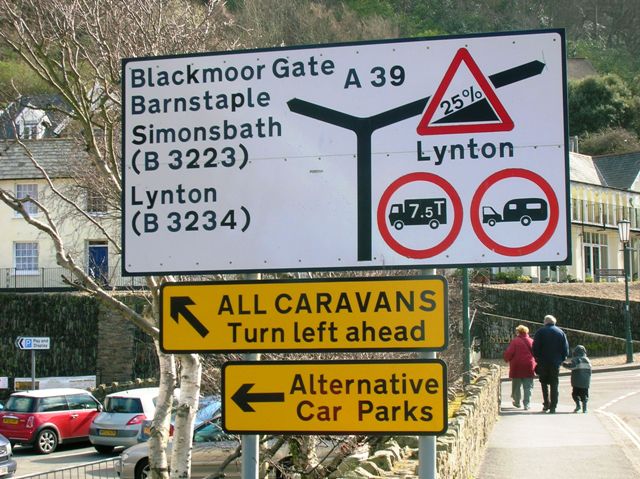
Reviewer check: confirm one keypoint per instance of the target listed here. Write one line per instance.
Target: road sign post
(341, 397)
(32, 344)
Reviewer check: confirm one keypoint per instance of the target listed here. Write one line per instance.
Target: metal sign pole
(427, 445)
(251, 443)
(33, 369)
(466, 328)
(427, 467)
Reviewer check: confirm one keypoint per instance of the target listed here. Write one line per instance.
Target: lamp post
(624, 231)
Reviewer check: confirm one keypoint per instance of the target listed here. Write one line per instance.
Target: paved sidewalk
(533, 445)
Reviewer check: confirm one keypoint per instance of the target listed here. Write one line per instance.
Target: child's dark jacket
(580, 368)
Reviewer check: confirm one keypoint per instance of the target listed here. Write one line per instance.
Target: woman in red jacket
(521, 366)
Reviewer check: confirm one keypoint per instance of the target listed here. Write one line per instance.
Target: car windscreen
(20, 404)
(123, 405)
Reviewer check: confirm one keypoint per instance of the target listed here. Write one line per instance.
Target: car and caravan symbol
(423, 211)
(524, 210)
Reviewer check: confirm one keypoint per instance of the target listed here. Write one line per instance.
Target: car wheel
(143, 471)
(104, 449)
(46, 441)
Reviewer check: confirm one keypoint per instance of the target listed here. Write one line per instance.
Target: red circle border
(546, 234)
(457, 215)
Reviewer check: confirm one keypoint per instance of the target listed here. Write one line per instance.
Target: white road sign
(439, 152)
(23, 342)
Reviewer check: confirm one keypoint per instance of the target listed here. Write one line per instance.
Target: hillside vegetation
(604, 110)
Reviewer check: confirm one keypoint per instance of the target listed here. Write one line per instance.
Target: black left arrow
(179, 307)
(243, 397)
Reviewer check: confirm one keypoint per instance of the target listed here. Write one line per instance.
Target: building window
(96, 203)
(28, 190)
(33, 128)
(25, 257)
(596, 253)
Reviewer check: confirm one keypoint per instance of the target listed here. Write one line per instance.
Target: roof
(619, 170)
(583, 169)
(50, 392)
(53, 105)
(55, 155)
(140, 392)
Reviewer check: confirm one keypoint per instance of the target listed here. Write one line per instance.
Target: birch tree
(76, 47)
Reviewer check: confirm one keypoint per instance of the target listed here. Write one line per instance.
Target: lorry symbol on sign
(523, 210)
(424, 211)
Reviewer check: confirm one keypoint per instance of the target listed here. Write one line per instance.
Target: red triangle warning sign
(465, 102)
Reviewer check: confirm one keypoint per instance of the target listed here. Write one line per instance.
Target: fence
(53, 279)
(56, 279)
(104, 469)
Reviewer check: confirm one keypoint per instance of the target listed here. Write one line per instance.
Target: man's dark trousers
(548, 375)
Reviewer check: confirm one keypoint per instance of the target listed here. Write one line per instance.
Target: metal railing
(103, 469)
(52, 279)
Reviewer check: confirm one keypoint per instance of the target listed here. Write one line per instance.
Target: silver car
(7, 463)
(211, 446)
(119, 423)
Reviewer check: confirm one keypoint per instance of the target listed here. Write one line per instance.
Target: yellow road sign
(338, 397)
(335, 315)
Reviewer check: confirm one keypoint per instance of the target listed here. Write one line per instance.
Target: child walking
(580, 377)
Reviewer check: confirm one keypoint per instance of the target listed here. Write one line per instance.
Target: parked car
(211, 447)
(208, 408)
(119, 423)
(47, 417)
(7, 463)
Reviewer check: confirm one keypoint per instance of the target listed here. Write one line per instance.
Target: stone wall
(115, 347)
(124, 351)
(86, 338)
(461, 448)
(495, 332)
(596, 323)
(459, 451)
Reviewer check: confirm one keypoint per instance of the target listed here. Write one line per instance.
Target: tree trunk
(161, 420)
(190, 376)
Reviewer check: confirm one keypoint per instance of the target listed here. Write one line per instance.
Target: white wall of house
(595, 212)
(77, 233)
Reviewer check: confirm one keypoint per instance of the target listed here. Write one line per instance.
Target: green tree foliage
(273, 23)
(608, 141)
(16, 78)
(600, 102)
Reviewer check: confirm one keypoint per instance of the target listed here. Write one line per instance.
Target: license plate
(107, 432)
(10, 420)
(4, 470)
(146, 430)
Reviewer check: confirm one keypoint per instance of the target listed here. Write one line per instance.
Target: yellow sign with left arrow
(335, 397)
(406, 313)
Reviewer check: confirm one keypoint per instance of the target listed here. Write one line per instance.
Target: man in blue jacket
(550, 348)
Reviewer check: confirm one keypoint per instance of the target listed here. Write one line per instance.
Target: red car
(48, 417)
